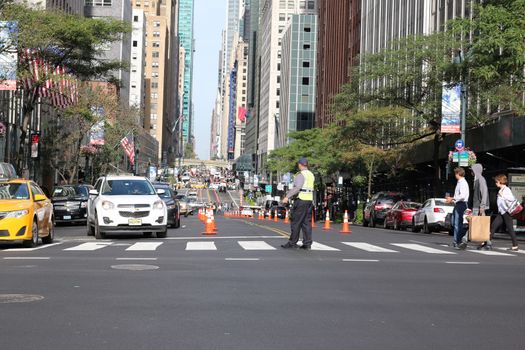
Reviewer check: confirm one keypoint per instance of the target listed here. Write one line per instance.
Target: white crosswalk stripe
(90, 246)
(32, 249)
(369, 247)
(255, 245)
(422, 248)
(201, 246)
(489, 252)
(322, 247)
(513, 252)
(144, 246)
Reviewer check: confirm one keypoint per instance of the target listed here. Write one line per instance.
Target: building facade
(137, 85)
(298, 77)
(185, 30)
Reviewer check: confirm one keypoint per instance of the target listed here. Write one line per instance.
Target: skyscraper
(186, 12)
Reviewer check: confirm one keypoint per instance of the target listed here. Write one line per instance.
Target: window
(306, 64)
(278, 66)
(311, 5)
(306, 81)
(154, 74)
(135, 18)
(154, 85)
(306, 46)
(307, 29)
(302, 5)
(153, 116)
(277, 104)
(155, 54)
(278, 79)
(282, 17)
(98, 3)
(155, 64)
(155, 44)
(156, 34)
(156, 24)
(278, 92)
(135, 43)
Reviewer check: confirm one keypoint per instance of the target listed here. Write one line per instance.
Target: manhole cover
(19, 298)
(134, 267)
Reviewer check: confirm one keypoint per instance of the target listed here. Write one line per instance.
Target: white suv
(120, 204)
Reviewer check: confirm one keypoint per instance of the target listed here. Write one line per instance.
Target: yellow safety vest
(307, 191)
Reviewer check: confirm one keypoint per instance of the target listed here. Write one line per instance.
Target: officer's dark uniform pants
(302, 219)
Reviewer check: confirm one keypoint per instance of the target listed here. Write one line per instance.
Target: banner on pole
(451, 110)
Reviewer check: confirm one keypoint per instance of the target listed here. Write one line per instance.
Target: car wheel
(415, 229)
(31, 243)
(98, 233)
(426, 228)
(372, 222)
(148, 234)
(90, 229)
(162, 234)
(177, 222)
(51, 234)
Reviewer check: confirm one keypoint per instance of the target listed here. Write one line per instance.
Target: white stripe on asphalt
(369, 247)
(242, 259)
(89, 246)
(255, 245)
(462, 262)
(319, 246)
(360, 260)
(513, 252)
(31, 249)
(489, 252)
(136, 259)
(221, 237)
(26, 258)
(422, 248)
(144, 246)
(201, 246)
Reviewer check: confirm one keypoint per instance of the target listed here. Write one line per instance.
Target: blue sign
(460, 145)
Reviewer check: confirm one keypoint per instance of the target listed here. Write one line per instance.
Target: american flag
(48, 81)
(129, 148)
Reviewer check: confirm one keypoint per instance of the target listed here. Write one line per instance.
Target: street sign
(463, 158)
(455, 157)
(268, 188)
(460, 145)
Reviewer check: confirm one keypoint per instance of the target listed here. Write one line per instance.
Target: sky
(209, 21)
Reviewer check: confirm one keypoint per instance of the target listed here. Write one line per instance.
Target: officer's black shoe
(289, 246)
(305, 247)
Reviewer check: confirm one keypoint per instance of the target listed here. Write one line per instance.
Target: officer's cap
(303, 161)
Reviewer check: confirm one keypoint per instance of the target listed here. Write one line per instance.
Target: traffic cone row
(346, 224)
(327, 221)
(209, 228)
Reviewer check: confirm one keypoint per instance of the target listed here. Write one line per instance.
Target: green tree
(70, 41)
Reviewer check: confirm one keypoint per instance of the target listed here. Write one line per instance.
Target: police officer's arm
(298, 184)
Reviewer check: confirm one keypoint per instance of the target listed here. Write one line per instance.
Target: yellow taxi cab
(26, 213)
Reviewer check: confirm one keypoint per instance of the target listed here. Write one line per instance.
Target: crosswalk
(256, 246)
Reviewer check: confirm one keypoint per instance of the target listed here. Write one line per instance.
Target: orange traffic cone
(313, 219)
(213, 222)
(346, 224)
(261, 215)
(275, 216)
(286, 218)
(208, 228)
(327, 221)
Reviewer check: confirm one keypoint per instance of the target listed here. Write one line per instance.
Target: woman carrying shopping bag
(507, 206)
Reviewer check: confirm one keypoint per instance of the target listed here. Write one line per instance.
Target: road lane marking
(90, 246)
(276, 230)
(360, 260)
(319, 246)
(136, 259)
(242, 259)
(489, 252)
(144, 246)
(514, 252)
(27, 258)
(223, 237)
(369, 247)
(422, 248)
(201, 246)
(462, 262)
(31, 249)
(255, 245)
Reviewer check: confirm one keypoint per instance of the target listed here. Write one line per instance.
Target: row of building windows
(105, 3)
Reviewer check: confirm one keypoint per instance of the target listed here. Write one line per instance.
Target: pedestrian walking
(460, 200)
(303, 192)
(480, 195)
(505, 201)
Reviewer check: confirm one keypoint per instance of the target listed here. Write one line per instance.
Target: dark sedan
(171, 201)
(70, 203)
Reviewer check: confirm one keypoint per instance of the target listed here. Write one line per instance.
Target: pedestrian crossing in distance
(256, 246)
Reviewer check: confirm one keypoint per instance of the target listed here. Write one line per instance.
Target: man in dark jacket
(480, 201)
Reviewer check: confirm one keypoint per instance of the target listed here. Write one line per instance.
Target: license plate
(135, 222)
(67, 217)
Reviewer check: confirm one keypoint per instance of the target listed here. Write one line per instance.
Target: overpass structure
(207, 163)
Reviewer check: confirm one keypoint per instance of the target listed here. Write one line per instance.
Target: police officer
(302, 207)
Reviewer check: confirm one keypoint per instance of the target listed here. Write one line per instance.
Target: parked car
(172, 203)
(380, 203)
(122, 204)
(448, 221)
(278, 210)
(70, 203)
(401, 214)
(431, 216)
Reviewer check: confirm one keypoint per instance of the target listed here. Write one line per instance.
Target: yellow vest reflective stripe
(307, 191)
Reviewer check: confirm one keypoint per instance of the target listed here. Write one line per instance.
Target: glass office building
(186, 41)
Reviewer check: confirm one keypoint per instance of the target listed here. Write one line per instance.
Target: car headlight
(16, 214)
(83, 205)
(158, 205)
(107, 205)
(172, 206)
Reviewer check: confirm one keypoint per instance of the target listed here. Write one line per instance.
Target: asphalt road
(372, 289)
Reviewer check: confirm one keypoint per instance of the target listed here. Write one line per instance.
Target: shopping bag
(515, 208)
(479, 229)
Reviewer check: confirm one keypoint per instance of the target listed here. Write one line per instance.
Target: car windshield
(412, 205)
(181, 197)
(127, 187)
(442, 203)
(14, 191)
(70, 192)
(167, 194)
